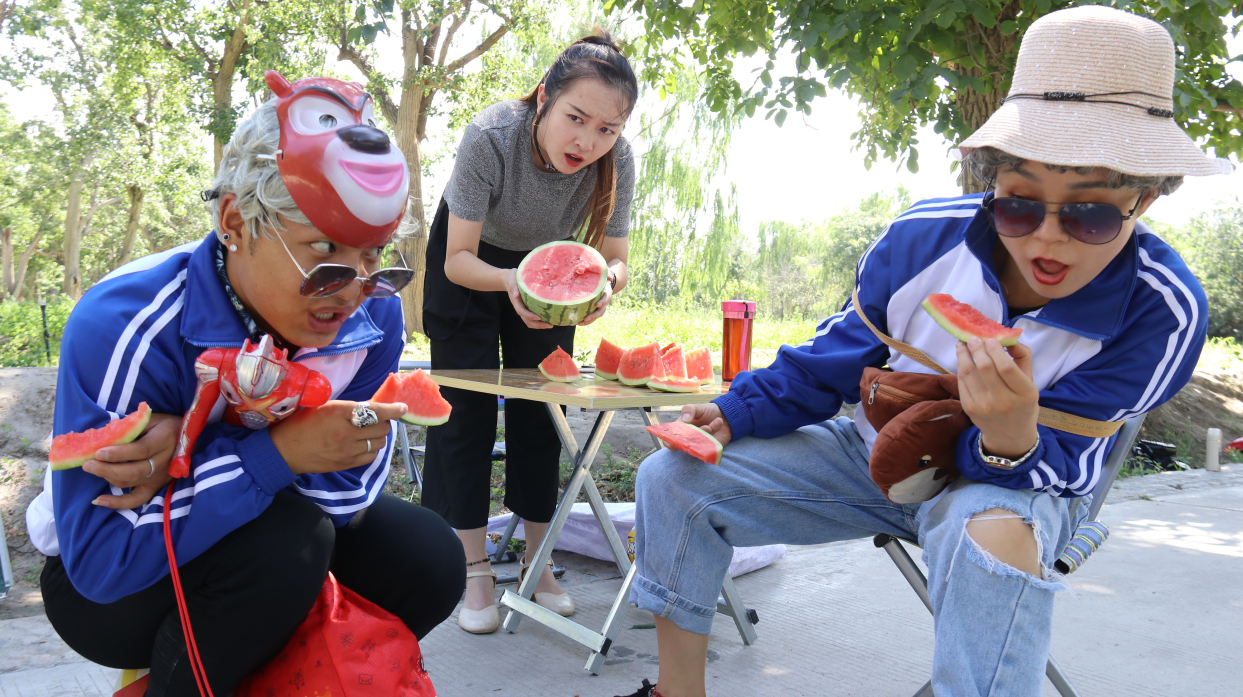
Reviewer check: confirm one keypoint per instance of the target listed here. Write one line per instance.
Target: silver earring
(226, 237)
(232, 248)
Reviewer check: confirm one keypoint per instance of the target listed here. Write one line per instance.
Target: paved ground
(1159, 611)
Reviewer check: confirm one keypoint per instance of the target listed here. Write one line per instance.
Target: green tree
(915, 62)
(1212, 245)
(431, 65)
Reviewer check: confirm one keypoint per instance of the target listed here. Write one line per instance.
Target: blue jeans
(992, 621)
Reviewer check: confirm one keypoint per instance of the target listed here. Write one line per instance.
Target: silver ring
(152, 467)
(363, 416)
(368, 445)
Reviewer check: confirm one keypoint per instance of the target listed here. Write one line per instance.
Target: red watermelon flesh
(639, 366)
(559, 366)
(608, 356)
(421, 395)
(674, 361)
(691, 440)
(672, 384)
(71, 450)
(964, 321)
(699, 366)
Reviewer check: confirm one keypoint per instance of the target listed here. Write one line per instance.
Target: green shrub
(21, 332)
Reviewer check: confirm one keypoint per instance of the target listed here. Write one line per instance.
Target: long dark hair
(596, 56)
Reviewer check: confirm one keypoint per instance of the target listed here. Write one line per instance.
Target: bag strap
(1052, 418)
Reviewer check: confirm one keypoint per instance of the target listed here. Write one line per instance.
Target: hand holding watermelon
(998, 393)
(531, 319)
(322, 439)
(127, 466)
(710, 419)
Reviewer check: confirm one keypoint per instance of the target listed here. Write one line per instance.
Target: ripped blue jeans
(992, 622)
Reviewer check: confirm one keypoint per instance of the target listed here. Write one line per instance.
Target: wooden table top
(587, 392)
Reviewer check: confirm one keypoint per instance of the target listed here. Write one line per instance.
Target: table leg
(650, 418)
(582, 463)
(613, 624)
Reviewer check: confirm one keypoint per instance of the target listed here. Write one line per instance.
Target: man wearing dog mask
(308, 196)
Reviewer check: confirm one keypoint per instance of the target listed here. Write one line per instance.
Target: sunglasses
(1090, 223)
(329, 279)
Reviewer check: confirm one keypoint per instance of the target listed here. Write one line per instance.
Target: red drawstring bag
(347, 646)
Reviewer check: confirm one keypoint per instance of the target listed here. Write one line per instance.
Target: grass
(631, 325)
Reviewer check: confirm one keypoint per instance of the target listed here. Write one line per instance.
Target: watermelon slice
(639, 366)
(691, 440)
(672, 384)
(674, 361)
(559, 367)
(71, 450)
(699, 366)
(562, 281)
(421, 395)
(964, 321)
(608, 356)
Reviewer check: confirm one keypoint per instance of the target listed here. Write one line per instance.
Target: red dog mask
(342, 171)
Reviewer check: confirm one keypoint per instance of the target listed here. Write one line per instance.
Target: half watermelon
(608, 356)
(964, 321)
(691, 440)
(421, 395)
(699, 366)
(639, 366)
(71, 450)
(562, 281)
(559, 366)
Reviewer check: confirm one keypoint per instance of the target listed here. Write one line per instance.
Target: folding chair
(919, 583)
(6, 569)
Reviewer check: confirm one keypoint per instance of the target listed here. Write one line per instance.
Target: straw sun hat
(1093, 87)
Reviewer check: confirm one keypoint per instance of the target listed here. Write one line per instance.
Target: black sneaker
(648, 690)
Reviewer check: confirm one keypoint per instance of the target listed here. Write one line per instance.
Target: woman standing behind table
(528, 172)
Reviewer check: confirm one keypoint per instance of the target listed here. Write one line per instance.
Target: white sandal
(560, 603)
(483, 621)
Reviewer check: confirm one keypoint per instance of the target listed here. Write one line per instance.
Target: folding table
(606, 397)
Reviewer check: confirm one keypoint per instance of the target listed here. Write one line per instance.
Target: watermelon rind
(601, 375)
(664, 433)
(605, 359)
(1008, 338)
(558, 313)
(675, 385)
(71, 450)
(418, 411)
(559, 359)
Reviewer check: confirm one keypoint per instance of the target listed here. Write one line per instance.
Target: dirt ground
(1214, 398)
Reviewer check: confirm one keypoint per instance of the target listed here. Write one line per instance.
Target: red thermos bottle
(736, 338)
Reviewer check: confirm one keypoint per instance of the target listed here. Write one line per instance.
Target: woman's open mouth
(328, 321)
(573, 160)
(1048, 271)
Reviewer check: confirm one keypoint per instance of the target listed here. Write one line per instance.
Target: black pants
(250, 591)
(464, 327)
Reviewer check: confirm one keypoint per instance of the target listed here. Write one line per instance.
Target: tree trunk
(6, 260)
(222, 81)
(131, 226)
(975, 109)
(990, 48)
(72, 285)
(409, 139)
(24, 263)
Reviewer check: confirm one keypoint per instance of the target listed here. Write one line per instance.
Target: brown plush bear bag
(918, 419)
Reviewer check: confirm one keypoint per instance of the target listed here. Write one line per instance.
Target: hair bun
(601, 37)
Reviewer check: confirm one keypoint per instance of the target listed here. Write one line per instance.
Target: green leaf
(1009, 27)
(912, 161)
(781, 118)
(984, 16)
(766, 78)
(1043, 6)
(945, 19)
(360, 14)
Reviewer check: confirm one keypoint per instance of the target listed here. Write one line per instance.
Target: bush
(1212, 246)
(21, 332)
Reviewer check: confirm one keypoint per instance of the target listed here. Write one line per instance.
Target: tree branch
(478, 50)
(1223, 105)
(360, 61)
(457, 23)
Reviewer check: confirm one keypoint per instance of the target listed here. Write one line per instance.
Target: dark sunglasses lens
(1016, 217)
(327, 279)
(386, 282)
(1093, 223)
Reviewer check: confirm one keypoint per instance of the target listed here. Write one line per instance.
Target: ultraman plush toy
(259, 383)
(345, 175)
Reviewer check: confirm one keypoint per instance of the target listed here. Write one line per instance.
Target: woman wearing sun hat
(1112, 322)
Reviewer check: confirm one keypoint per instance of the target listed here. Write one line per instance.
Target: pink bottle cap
(738, 309)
